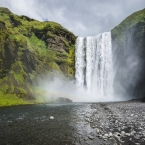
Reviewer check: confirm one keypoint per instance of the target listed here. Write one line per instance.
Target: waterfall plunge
(94, 67)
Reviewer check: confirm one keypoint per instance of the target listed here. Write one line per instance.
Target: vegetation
(128, 43)
(29, 48)
(128, 23)
(11, 99)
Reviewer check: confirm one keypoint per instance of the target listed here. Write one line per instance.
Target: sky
(82, 17)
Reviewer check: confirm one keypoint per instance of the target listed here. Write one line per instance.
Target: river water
(73, 124)
(32, 124)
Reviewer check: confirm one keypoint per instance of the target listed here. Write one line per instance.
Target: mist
(56, 85)
(127, 66)
(116, 74)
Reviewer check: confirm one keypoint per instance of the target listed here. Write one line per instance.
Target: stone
(122, 133)
(51, 117)
(127, 134)
(110, 134)
(106, 135)
(97, 130)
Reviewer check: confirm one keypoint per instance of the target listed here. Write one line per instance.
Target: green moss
(5, 88)
(20, 73)
(67, 43)
(31, 76)
(19, 77)
(55, 67)
(37, 43)
(25, 51)
(11, 99)
(71, 61)
(12, 88)
(21, 90)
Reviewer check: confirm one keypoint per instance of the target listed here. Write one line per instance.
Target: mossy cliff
(128, 43)
(29, 48)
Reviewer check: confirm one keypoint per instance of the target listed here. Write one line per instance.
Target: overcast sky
(82, 17)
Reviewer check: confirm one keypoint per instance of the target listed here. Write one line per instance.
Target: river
(73, 124)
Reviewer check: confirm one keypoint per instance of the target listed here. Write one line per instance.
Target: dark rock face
(128, 43)
(2, 25)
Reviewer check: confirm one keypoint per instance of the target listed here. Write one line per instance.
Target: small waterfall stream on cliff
(94, 67)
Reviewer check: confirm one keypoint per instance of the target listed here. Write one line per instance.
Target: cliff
(29, 48)
(128, 44)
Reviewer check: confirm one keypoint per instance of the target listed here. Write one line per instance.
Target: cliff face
(128, 43)
(28, 48)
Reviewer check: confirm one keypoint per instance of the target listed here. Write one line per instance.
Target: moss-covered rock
(29, 48)
(128, 43)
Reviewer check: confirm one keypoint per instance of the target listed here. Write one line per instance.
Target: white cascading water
(94, 67)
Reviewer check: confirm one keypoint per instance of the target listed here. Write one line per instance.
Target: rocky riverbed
(118, 123)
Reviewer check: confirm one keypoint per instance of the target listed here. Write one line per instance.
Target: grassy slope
(127, 23)
(25, 53)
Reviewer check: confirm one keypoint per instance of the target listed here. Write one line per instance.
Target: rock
(122, 133)
(51, 117)
(110, 134)
(86, 138)
(133, 132)
(100, 136)
(97, 130)
(62, 100)
(116, 121)
(2, 25)
(106, 135)
(91, 137)
(117, 134)
(127, 134)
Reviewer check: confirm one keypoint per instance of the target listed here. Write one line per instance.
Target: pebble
(122, 133)
(105, 135)
(127, 134)
(90, 137)
(110, 134)
(86, 138)
(97, 130)
(51, 117)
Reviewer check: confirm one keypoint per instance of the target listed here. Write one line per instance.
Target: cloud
(82, 17)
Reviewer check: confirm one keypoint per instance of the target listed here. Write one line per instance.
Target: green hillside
(29, 48)
(128, 44)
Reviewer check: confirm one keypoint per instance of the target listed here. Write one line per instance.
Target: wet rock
(97, 130)
(110, 134)
(86, 138)
(127, 134)
(122, 133)
(100, 136)
(106, 135)
(51, 117)
(62, 100)
(91, 137)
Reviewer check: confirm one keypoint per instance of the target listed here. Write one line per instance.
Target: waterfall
(93, 64)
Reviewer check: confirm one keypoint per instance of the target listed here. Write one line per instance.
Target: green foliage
(21, 90)
(25, 52)
(41, 50)
(5, 88)
(67, 43)
(71, 61)
(37, 43)
(11, 99)
(20, 73)
(54, 66)
(129, 22)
